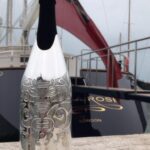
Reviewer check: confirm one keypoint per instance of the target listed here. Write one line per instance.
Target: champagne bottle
(45, 113)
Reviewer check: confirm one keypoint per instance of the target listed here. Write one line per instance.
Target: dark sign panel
(97, 115)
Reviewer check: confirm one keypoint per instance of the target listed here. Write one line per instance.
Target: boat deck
(122, 93)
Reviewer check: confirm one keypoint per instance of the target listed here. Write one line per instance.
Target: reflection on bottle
(46, 90)
(45, 101)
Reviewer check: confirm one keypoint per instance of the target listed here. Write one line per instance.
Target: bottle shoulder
(48, 63)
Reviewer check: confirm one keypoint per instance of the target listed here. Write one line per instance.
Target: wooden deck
(128, 142)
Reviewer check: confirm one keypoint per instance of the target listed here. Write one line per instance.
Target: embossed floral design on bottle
(45, 105)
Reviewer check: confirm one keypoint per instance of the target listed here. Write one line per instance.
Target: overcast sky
(111, 17)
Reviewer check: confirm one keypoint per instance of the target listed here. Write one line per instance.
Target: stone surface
(128, 142)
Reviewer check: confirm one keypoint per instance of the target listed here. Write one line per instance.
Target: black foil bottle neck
(47, 24)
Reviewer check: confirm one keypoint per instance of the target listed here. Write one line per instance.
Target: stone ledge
(127, 142)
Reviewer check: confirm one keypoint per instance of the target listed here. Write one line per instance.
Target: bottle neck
(47, 24)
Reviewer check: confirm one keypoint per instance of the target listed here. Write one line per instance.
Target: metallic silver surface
(45, 112)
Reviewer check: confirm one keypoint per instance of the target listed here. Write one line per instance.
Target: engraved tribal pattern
(45, 107)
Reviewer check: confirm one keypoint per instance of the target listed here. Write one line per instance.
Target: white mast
(9, 22)
(120, 42)
(25, 6)
(1, 22)
(129, 27)
(26, 32)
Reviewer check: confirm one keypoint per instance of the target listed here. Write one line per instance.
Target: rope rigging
(18, 20)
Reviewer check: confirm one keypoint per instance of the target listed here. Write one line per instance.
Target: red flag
(71, 16)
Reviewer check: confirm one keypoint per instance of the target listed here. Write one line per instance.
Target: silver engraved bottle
(45, 101)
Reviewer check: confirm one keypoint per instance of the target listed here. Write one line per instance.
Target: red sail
(71, 16)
